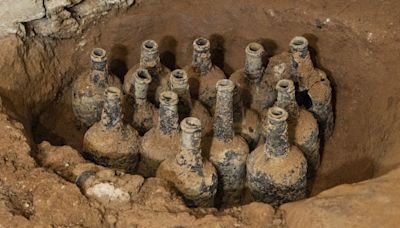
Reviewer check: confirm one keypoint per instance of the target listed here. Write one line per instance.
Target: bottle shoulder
(220, 150)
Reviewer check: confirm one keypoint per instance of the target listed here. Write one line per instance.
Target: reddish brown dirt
(358, 48)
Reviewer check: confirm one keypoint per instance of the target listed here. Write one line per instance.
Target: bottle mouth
(113, 93)
(168, 98)
(277, 114)
(179, 77)
(298, 43)
(201, 44)
(255, 49)
(98, 55)
(191, 124)
(150, 45)
(285, 85)
(143, 76)
(225, 85)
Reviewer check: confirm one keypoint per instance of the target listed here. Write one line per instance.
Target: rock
(20, 11)
(372, 203)
(55, 6)
(60, 25)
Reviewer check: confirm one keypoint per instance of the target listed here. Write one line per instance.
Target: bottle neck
(141, 85)
(169, 118)
(190, 153)
(286, 98)
(223, 122)
(301, 61)
(201, 62)
(112, 114)
(150, 57)
(98, 67)
(253, 67)
(276, 135)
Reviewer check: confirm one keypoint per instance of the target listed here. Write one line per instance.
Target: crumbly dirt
(355, 43)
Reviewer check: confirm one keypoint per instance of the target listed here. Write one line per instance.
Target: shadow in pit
(167, 47)
(117, 62)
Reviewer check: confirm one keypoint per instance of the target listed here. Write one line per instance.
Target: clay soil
(355, 42)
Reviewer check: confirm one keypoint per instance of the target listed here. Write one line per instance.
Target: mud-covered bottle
(150, 60)
(276, 171)
(191, 174)
(303, 127)
(144, 112)
(187, 106)
(251, 80)
(228, 151)
(246, 121)
(162, 141)
(109, 142)
(314, 82)
(88, 89)
(203, 75)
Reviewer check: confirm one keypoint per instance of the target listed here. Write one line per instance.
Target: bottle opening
(254, 47)
(276, 113)
(143, 76)
(201, 41)
(169, 97)
(283, 84)
(225, 85)
(179, 74)
(150, 44)
(299, 42)
(191, 124)
(98, 52)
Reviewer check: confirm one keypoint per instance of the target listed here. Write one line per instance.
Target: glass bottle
(187, 106)
(276, 171)
(109, 142)
(162, 141)
(303, 127)
(228, 151)
(246, 121)
(192, 175)
(314, 82)
(144, 112)
(203, 75)
(150, 60)
(88, 89)
(251, 80)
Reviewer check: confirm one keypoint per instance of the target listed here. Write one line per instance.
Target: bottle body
(88, 89)
(315, 82)
(162, 141)
(276, 171)
(144, 112)
(303, 127)
(228, 151)
(150, 60)
(194, 177)
(203, 75)
(179, 83)
(109, 142)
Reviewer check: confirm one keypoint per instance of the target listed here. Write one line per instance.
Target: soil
(355, 43)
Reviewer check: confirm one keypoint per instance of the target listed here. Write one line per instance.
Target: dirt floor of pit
(355, 42)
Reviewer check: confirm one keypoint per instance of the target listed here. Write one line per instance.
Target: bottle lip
(201, 44)
(225, 85)
(277, 114)
(179, 77)
(98, 55)
(298, 43)
(168, 98)
(285, 85)
(113, 93)
(150, 46)
(143, 76)
(254, 49)
(191, 125)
